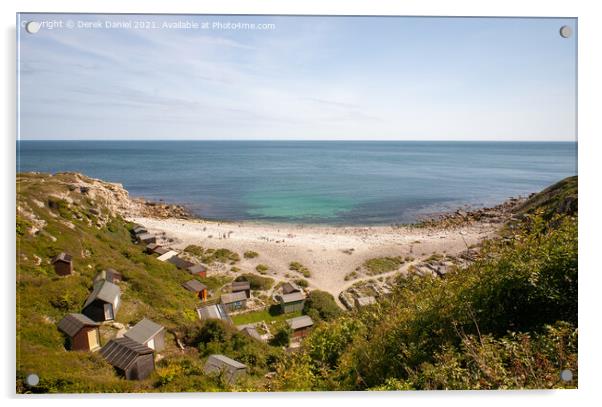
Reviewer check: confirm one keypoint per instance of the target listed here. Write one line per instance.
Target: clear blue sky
(308, 78)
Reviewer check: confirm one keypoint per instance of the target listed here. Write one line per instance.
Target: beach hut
(131, 359)
(197, 287)
(234, 301)
(137, 230)
(244, 286)
(148, 333)
(110, 275)
(161, 250)
(180, 262)
(214, 311)
(300, 326)
(198, 270)
(63, 264)
(150, 248)
(364, 301)
(250, 331)
(146, 238)
(82, 333)
(290, 287)
(223, 365)
(291, 302)
(168, 255)
(104, 301)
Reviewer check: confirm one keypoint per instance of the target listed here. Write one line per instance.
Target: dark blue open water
(336, 182)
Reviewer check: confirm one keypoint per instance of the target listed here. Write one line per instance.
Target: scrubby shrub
(250, 254)
(321, 304)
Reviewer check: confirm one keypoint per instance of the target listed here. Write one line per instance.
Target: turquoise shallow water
(334, 182)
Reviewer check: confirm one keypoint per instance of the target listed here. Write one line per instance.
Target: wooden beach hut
(180, 263)
(214, 311)
(63, 264)
(104, 301)
(300, 326)
(198, 270)
(198, 288)
(146, 238)
(234, 301)
(167, 255)
(244, 286)
(82, 333)
(290, 287)
(223, 365)
(148, 333)
(291, 302)
(110, 275)
(131, 359)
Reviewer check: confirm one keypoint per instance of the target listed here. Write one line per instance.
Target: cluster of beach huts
(132, 352)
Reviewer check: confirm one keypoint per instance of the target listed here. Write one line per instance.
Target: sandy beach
(325, 250)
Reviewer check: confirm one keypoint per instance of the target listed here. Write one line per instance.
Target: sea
(313, 182)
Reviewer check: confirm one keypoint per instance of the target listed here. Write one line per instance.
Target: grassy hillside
(54, 215)
(507, 321)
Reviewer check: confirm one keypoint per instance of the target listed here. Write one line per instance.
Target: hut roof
(145, 236)
(290, 287)
(161, 250)
(111, 275)
(104, 291)
(152, 246)
(250, 331)
(71, 324)
(144, 331)
(64, 257)
(194, 286)
(139, 229)
(219, 362)
(180, 262)
(196, 268)
(122, 352)
(240, 285)
(229, 298)
(292, 297)
(216, 311)
(168, 255)
(300, 322)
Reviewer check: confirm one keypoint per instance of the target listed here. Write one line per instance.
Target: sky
(301, 78)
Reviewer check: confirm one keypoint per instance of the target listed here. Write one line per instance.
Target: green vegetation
(302, 283)
(509, 320)
(321, 305)
(381, 265)
(282, 337)
(210, 256)
(262, 268)
(250, 254)
(257, 282)
(299, 268)
(268, 315)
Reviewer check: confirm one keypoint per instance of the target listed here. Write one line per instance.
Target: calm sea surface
(333, 182)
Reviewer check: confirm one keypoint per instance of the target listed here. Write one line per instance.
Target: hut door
(108, 312)
(93, 341)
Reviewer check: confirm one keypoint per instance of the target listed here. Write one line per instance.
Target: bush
(250, 254)
(257, 282)
(282, 337)
(321, 304)
(262, 268)
(381, 265)
(300, 268)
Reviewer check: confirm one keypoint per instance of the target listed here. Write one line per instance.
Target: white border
(589, 150)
